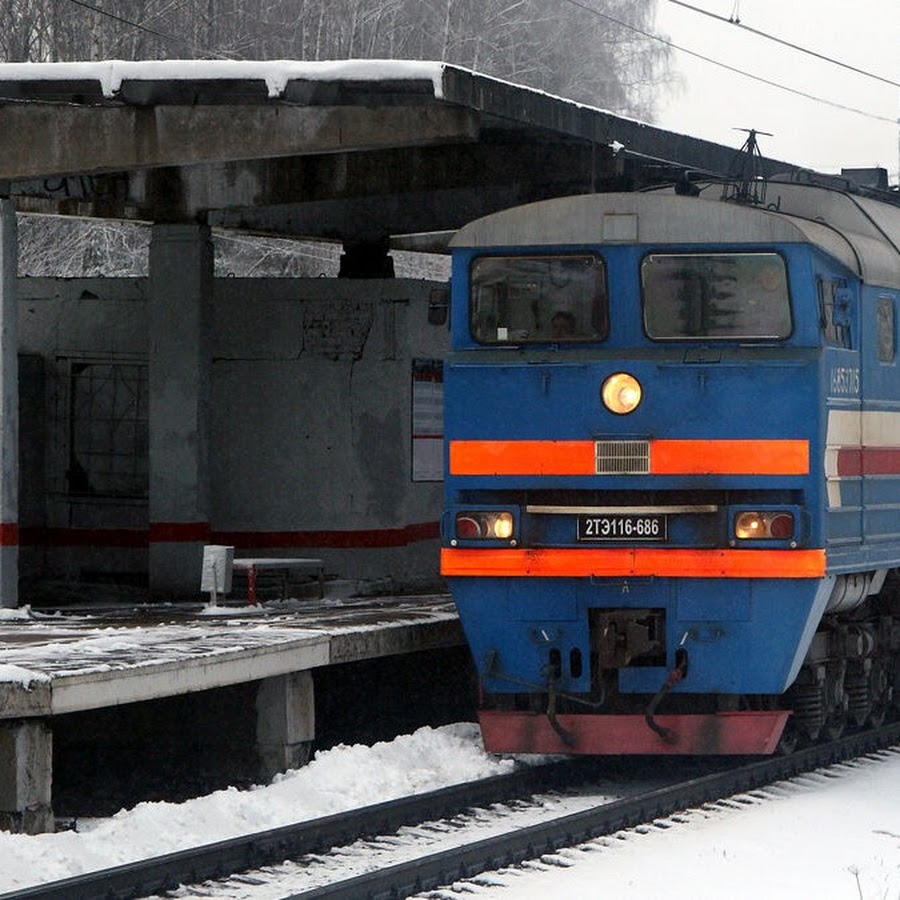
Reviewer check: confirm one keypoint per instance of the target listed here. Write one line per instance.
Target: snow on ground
(834, 835)
(817, 836)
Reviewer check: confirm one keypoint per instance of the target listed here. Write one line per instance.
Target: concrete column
(285, 722)
(26, 767)
(181, 284)
(9, 409)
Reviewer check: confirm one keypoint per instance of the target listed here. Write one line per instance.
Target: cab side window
(834, 313)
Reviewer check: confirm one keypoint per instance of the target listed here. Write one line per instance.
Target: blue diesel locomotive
(672, 422)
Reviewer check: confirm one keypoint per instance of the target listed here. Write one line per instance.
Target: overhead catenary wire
(735, 20)
(775, 84)
(145, 28)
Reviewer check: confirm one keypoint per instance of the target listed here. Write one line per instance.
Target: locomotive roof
(864, 234)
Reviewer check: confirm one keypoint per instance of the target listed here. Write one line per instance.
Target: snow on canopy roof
(110, 74)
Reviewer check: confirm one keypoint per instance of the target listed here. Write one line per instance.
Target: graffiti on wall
(336, 329)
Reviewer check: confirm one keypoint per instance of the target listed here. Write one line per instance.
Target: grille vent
(622, 457)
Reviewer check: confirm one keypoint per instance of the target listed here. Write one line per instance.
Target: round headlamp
(621, 393)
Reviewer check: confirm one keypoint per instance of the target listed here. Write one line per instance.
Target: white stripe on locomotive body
(852, 430)
(844, 430)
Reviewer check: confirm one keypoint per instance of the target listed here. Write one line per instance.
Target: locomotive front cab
(634, 532)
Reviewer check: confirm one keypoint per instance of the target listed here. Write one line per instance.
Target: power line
(159, 34)
(771, 37)
(124, 21)
(715, 62)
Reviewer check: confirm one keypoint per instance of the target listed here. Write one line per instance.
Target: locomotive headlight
(502, 526)
(775, 525)
(621, 393)
(496, 525)
(748, 525)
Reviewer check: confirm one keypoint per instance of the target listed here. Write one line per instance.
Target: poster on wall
(427, 420)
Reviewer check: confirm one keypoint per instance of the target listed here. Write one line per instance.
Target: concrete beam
(408, 171)
(371, 217)
(72, 693)
(39, 141)
(346, 176)
(353, 646)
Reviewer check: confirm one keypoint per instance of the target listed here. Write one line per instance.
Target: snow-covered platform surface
(61, 663)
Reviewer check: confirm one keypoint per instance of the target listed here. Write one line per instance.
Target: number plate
(631, 527)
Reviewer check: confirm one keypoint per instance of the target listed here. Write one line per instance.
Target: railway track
(215, 861)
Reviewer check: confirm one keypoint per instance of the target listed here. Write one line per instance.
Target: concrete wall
(310, 424)
(63, 321)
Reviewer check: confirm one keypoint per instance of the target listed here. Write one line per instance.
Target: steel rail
(223, 858)
(439, 869)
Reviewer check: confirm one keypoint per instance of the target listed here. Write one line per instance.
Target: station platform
(88, 659)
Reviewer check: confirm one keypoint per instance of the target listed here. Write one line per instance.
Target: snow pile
(831, 834)
(22, 613)
(17, 675)
(337, 779)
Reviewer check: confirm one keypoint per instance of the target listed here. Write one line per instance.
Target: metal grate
(108, 429)
(622, 457)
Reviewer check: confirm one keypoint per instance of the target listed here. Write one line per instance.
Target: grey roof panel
(863, 234)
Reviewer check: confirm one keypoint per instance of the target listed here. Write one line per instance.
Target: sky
(823, 835)
(710, 102)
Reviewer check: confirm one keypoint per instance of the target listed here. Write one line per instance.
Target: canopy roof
(356, 149)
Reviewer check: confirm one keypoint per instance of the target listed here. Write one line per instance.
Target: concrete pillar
(181, 284)
(285, 722)
(26, 767)
(9, 409)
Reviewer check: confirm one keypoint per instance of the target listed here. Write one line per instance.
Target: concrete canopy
(355, 150)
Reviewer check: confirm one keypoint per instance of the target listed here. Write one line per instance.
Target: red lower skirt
(724, 733)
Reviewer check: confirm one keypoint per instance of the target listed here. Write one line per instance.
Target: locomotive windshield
(530, 299)
(725, 296)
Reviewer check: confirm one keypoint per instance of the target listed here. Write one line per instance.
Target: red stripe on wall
(179, 532)
(9, 534)
(84, 537)
(140, 538)
(358, 539)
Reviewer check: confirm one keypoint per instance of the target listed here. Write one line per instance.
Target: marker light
(489, 525)
(778, 526)
(621, 393)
